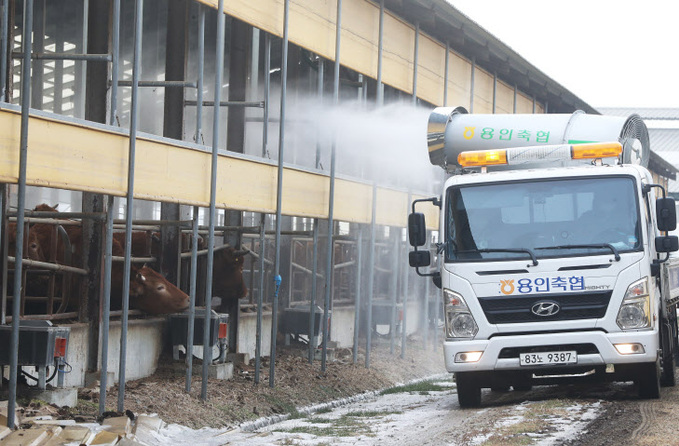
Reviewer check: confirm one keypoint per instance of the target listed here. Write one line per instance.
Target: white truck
(553, 252)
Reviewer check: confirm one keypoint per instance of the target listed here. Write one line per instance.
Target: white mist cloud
(386, 144)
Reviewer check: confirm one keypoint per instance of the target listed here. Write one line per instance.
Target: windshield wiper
(516, 250)
(596, 245)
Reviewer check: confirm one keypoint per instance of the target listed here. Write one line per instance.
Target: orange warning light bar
(596, 150)
(482, 158)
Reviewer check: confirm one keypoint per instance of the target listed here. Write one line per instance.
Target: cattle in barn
(227, 276)
(45, 232)
(152, 293)
(149, 291)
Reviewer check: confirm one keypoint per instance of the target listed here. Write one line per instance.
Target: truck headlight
(459, 321)
(635, 310)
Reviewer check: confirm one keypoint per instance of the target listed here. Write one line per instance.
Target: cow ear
(55, 206)
(141, 277)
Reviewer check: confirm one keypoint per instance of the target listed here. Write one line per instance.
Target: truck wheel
(649, 381)
(468, 389)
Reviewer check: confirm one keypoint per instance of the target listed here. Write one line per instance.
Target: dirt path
(571, 415)
(634, 422)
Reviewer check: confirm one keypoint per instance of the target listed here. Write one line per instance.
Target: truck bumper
(595, 348)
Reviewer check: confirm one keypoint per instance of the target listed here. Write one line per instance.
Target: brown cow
(149, 291)
(152, 293)
(227, 276)
(44, 232)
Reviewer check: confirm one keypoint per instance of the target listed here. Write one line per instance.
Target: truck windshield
(550, 218)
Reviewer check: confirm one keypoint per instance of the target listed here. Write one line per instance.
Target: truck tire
(649, 381)
(468, 389)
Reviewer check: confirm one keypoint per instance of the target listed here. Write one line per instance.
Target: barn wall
(312, 26)
(79, 157)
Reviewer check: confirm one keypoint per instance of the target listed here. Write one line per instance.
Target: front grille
(580, 349)
(572, 306)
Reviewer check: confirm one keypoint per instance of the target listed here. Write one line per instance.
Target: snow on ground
(430, 417)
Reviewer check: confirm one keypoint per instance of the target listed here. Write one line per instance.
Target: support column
(241, 36)
(173, 126)
(95, 110)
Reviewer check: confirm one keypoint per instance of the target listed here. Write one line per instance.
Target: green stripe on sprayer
(576, 141)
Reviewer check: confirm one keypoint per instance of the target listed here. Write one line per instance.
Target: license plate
(548, 358)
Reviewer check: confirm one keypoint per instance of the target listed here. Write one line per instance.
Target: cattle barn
(211, 164)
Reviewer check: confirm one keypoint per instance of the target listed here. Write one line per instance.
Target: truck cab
(551, 270)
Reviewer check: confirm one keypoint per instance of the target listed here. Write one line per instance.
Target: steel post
(314, 276)
(314, 290)
(106, 305)
(371, 278)
(262, 227)
(26, 38)
(192, 299)
(331, 198)
(219, 61)
(279, 191)
(357, 303)
(260, 297)
(129, 209)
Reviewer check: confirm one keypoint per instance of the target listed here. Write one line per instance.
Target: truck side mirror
(417, 230)
(419, 259)
(667, 243)
(666, 214)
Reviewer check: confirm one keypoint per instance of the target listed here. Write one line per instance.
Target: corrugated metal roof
(665, 143)
(644, 112)
(664, 140)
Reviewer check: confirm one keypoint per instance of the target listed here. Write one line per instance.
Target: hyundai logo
(545, 308)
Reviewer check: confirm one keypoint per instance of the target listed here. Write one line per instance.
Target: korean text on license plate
(548, 358)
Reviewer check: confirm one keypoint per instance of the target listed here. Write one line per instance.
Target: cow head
(33, 248)
(152, 293)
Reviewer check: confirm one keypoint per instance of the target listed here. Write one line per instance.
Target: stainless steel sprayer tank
(452, 131)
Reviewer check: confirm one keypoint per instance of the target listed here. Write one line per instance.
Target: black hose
(54, 373)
